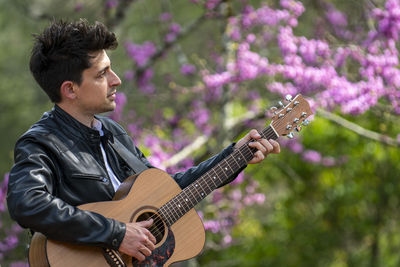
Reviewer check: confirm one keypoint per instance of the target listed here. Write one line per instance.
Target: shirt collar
(97, 125)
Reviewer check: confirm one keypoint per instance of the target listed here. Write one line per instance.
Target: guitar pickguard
(160, 255)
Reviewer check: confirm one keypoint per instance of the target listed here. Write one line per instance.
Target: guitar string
(248, 152)
(267, 133)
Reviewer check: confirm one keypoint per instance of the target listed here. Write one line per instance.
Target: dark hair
(61, 53)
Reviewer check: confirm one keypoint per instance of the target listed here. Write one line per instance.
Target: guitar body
(151, 189)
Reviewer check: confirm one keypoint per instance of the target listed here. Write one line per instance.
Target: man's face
(96, 94)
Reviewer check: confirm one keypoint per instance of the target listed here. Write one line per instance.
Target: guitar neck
(211, 180)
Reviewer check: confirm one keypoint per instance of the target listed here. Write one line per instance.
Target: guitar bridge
(113, 258)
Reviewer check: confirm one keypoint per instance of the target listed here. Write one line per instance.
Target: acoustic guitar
(178, 230)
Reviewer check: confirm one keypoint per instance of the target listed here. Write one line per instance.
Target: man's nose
(114, 79)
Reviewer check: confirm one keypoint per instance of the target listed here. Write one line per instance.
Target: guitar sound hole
(157, 229)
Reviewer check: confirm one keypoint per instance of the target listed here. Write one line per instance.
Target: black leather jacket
(59, 165)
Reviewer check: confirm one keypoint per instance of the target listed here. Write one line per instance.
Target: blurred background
(198, 74)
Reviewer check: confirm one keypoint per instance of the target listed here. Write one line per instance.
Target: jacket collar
(77, 128)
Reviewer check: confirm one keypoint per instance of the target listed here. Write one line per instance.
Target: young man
(67, 158)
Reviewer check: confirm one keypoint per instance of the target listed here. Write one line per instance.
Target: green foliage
(322, 216)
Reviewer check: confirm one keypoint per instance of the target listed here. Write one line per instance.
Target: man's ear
(68, 90)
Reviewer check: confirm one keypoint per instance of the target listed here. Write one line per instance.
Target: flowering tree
(198, 74)
(340, 67)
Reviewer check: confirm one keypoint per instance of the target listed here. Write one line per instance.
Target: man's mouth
(112, 93)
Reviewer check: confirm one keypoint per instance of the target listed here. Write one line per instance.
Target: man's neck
(85, 119)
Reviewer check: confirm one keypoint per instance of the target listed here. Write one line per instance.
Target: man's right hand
(138, 242)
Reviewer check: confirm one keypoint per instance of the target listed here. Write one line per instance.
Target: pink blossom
(335, 17)
(120, 101)
(78, 7)
(140, 54)
(211, 4)
(328, 161)
(251, 199)
(294, 6)
(217, 196)
(236, 195)
(212, 225)
(312, 156)
(228, 239)
(144, 82)
(239, 179)
(165, 17)
(217, 80)
(188, 69)
(111, 3)
(129, 75)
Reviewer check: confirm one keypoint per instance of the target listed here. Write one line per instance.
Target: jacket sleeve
(32, 202)
(187, 177)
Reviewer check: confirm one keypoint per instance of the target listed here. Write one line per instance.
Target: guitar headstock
(291, 116)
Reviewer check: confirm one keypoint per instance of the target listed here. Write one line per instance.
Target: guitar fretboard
(178, 206)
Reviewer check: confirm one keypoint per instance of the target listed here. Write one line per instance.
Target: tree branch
(358, 129)
(167, 45)
(113, 21)
(201, 140)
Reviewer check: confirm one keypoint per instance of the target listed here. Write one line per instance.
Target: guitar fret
(181, 204)
(247, 152)
(211, 179)
(165, 216)
(207, 185)
(195, 193)
(227, 162)
(202, 187)
(188, 189)
(223, 172)
(216, 178)
(269, 133)
(234, 159)
(203, 193)
(198, 193)
(188, 202)
(177, 210)
(171, 211)
(227, 169)
(241, 157)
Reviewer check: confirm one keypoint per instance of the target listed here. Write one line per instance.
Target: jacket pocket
(89, 177)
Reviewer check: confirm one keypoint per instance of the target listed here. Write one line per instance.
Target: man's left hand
(263, 146)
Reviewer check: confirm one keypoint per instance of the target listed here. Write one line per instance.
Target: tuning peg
(274, 110)
(290, 135)
(280, 103)
(306, 122)
(288, 98)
